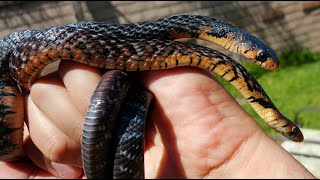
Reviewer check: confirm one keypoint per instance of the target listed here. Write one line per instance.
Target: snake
(118, 103)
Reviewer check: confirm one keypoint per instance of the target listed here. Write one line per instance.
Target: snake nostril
(273, 66)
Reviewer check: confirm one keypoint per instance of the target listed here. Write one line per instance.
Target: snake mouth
(270, 64)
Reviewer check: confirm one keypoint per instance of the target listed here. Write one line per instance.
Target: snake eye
(262, 56)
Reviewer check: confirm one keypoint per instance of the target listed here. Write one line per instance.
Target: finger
(53, 100)
(57, 169)
(52, 142)
(80, 80)
(22, 170)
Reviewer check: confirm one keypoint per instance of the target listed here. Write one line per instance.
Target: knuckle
(37, 92)
(57, 148)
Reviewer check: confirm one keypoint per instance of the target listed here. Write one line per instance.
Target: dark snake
(139, 46)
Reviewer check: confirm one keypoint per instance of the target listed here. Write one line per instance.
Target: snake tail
(113, 137)
(99, 124)
(130, 134)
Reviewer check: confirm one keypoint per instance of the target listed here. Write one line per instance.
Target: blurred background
(292, 28)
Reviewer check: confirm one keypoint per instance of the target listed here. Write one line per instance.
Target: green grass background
(292, 87)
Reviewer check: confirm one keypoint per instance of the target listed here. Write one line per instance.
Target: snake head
(294, 134)
(257, 51)
(289, 130)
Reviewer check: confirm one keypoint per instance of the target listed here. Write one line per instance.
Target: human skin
(195, 129)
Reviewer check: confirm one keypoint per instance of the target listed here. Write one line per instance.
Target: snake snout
(290, 130)
(270, 64)
(296, 135)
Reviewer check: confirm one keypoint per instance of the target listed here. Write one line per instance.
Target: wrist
(262, 157)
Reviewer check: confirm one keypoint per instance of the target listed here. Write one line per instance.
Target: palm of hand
(195, 130)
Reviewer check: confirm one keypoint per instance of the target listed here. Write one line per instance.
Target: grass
(290, 88)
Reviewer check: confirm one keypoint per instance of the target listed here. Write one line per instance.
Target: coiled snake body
(139, 46)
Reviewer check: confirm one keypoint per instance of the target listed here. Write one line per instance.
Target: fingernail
(65, 171)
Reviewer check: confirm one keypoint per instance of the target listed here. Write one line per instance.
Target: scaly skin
(146, 46)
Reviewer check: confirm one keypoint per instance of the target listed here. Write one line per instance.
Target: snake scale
(141, 46)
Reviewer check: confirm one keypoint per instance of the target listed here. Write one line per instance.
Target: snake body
(108, 131)
(139, 46)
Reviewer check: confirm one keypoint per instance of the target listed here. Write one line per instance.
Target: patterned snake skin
(139, 46)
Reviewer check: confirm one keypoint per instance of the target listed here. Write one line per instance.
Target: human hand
(196, 129)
